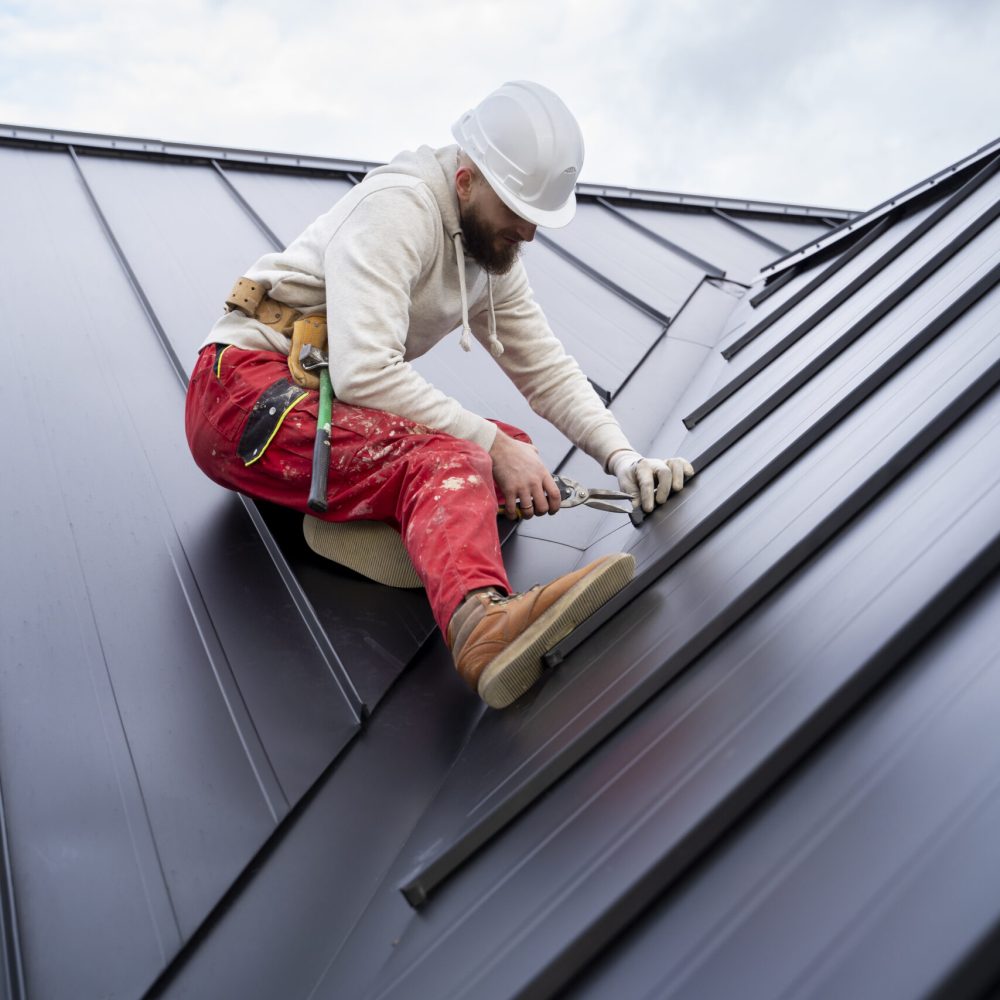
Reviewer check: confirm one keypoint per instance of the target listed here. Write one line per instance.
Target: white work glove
(649, 480)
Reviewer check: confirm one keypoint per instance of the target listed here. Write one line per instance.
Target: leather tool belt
(251, 299)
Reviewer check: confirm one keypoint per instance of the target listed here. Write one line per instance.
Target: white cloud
(836, 104)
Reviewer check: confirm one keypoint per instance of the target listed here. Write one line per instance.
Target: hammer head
(311, 358)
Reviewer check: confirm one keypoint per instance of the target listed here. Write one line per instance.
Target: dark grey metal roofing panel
(826, 278)
(606, 334)
(904, 803)
(375, 630)
(647, 269)
(673, 780)
(723, 547)
(134, 554)
(185, 236)
(786, 233)
(288, 202)
(938, 236)
(478, 811)
(188, 207)
(833, 306)
(286, 929)
(795, 292)
(853, 341)
(739, 254)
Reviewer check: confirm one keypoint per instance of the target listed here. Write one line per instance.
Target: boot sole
(372, 548)
(519, 666)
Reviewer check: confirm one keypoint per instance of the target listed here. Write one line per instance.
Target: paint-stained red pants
(437, 490)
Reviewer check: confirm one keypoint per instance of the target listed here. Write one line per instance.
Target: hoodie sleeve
(371, 266)
(548, 378)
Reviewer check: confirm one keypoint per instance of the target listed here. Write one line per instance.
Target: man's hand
(649, 480)
(521, 475)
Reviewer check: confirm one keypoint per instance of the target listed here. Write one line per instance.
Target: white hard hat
(529, 148)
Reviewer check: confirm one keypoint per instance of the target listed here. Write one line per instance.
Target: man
(389, 267)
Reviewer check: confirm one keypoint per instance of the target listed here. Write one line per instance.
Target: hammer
(310, 358)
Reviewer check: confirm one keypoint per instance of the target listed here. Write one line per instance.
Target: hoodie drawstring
(496, 348)
(466, 340)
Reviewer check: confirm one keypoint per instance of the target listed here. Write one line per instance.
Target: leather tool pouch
(311, 331)
(251, 299)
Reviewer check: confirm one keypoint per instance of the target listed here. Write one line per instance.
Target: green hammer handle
(321, 449)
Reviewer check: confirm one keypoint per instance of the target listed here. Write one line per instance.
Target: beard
(485, 246)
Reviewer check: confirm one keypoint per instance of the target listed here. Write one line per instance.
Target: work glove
(649, 480)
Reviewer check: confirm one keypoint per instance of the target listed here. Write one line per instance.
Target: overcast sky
(838, 104)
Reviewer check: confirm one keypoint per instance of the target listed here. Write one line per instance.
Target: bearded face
(492, 232)
(494, 249)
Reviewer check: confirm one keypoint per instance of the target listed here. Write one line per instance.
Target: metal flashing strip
(821, 360)
(865, 323)
(712, 270)
(797, 447)
(747, 231)
(603, 280)
(879, 210)
(438, 865)
(803, 293)
(774, 285)
(305, 609)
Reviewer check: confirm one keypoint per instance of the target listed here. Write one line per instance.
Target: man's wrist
(620, 459)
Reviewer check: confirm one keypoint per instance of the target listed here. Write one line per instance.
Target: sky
(839, 104)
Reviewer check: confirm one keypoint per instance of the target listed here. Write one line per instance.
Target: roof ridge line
(108, 142)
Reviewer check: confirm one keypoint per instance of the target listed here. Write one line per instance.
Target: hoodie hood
(436, 168)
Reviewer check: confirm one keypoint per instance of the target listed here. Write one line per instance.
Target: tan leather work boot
(498, 642)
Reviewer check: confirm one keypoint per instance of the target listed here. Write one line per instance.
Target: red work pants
(435, 489)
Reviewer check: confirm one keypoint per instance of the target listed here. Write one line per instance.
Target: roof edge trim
(159, 148)
(851, 225)
(708, 201)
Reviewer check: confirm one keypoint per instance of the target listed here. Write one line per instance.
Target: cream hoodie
(386, 263)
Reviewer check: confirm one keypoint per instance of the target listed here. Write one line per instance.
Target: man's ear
(464, 178)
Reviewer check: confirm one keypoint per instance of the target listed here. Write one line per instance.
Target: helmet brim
(552, 219)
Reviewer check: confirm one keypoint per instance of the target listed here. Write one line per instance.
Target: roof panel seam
(752, 233)
(439, 866)
(703, 265)
(603, 280)
(891, 300)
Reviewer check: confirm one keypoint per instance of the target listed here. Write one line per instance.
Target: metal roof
(228, 768)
